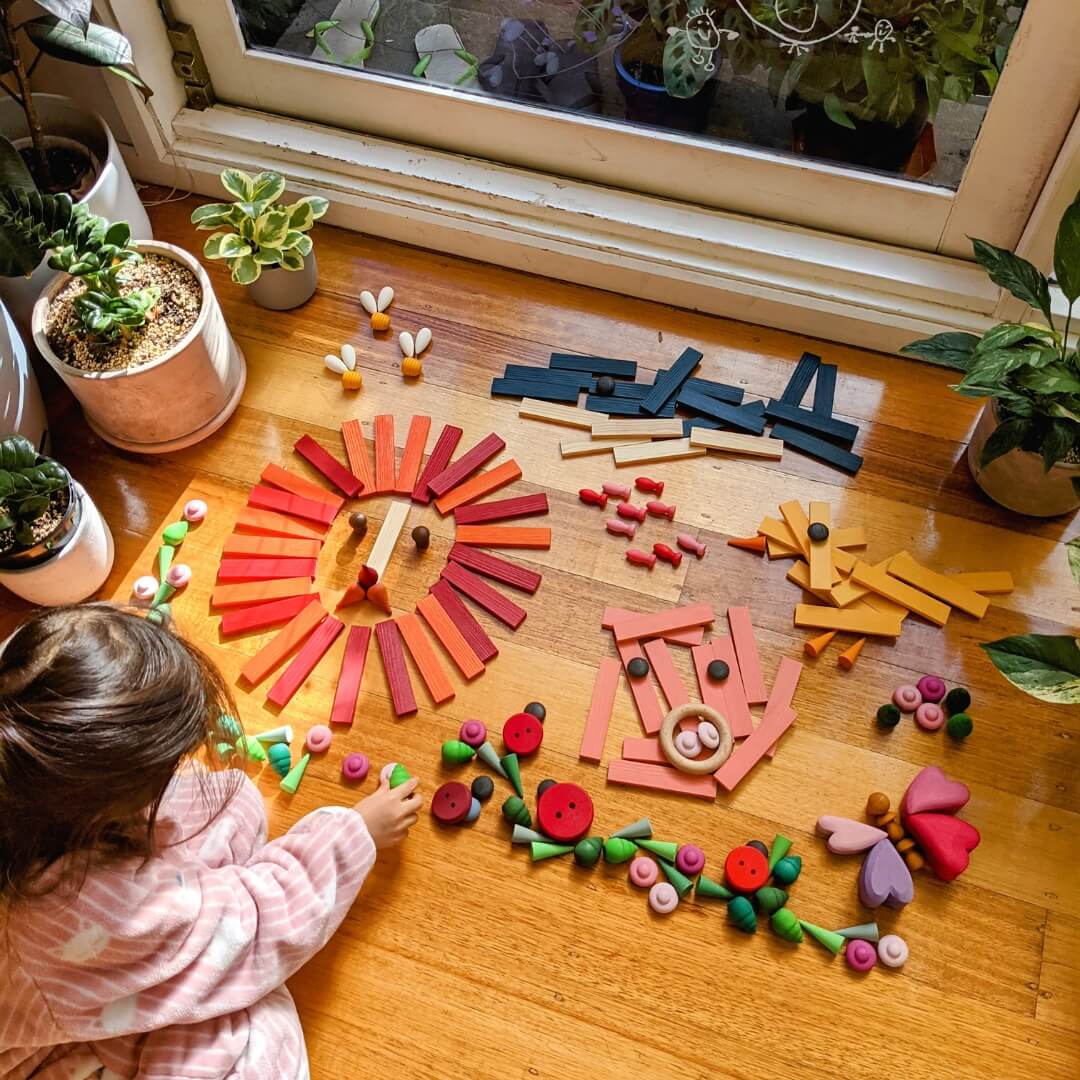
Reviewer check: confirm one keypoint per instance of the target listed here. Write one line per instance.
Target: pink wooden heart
(847, 837)
(933, 790)
(885, 878)
(945, 841)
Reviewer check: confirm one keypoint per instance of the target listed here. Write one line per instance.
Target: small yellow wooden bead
(411, 367)
(380, 321)
(352, 380)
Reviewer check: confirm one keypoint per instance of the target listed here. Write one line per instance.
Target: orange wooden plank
(384, 454)
(356, 451)
(503, 536)
(787, 679)
(660, 778)
(442, 626)
(412, 455)
(478, 486)
(251, 592)
(667, 675)
(297, 485)
(270, 523)
(427, 663)
(288, 638)
(271, 547)
(737, 710)
(603, 700)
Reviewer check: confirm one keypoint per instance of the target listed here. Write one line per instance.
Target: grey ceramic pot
(280, 290)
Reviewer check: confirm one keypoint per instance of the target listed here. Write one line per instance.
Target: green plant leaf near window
(1045, 666)
(1017, 275)
(1067, 253)
(834, 110)
(684, 66)
(97, 47)
(1072, 551)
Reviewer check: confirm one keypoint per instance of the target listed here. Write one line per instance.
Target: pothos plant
(27, 484)
(257, 233)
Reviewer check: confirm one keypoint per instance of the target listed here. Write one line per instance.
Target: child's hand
(390, 813)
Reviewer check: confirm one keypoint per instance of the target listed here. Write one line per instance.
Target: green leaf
(238, 184)
(267, 256)
(1067, 253)
(225, 245)
(1058, 440)
(118, 233)
(834, 110)
(211, 215)
(272, 228)
(245, 270)
(1005, 334)
(952, 349)
(1017, 275)
(1005, 438)
(1072, 551)
(1045, 666)
(1052, 379)
(100, 47)
(301, 216)
(990, 369)
(268, 187)
(684, 66)
(304, 245)
(292, 260)
(13, 170)
(76, 12)
(128, 75)
(34, 507)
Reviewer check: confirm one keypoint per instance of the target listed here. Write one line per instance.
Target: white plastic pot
(21, 410)
(283, 290)
(174, 401)
(76, 571)
(113, 195)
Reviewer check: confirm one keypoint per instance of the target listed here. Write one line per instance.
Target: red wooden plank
(279, 477)
(787, 679)
(661, 778)
(466, 465)
(384, 454)
(267, 523)
(603, 700)
(412, 454)
(268, 498)
(352, 673)
(480, 592)
(641, 688)
(328, 465)
(397, 674)
(261, 616)
(462, 618)
(265, 569)
(482, 562)
(442, 626)
(742, 633)
(303, 663)
(352, 435)
(502, 509)
(444, 446)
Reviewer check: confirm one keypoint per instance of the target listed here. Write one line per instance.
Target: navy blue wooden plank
(826, 426)
(699, 421)
(582, 379)
(635, 390)
(595, 365)
(740, 417)
(814, 447)
(733, 395)
(825, 390)
(800, 379)
(614, 406)
(531, 388)
(753, 408)
(668, 383)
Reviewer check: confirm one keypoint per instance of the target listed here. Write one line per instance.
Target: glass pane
(899, 86)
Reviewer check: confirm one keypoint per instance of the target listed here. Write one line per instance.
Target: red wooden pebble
(565, 813)
(652, 487)
(640, 558)
(689, 543)
(617, 490)
(620, 528)
(746, 870)
(659, 509)
(664, 552)
(629, 510)
(593, 498)
(523, 734)
(451, 803)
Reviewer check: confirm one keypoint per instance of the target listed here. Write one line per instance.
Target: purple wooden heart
(884, 878)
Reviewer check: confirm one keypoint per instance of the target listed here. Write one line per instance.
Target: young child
(146, 926)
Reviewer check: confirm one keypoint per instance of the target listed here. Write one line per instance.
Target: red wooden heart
(945, 841)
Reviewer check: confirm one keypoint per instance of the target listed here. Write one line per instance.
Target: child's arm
(179, 942)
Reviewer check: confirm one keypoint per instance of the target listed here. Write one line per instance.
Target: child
(146, 926)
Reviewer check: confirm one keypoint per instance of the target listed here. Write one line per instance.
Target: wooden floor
(461, 959)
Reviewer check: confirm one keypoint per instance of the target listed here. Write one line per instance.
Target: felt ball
(145, 587)
(534, 708)
(421, 537)
(319, 739)
(959, 726)
(195, 510)
(605, 386)
(482, 788)
(888, 716)
(717, 670)
(957, 700)
(818, 532)
(760, 845)
(543, 786)
(358, 524)
(638, 667)
(179, 575)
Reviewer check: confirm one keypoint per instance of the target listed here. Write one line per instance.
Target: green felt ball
(888, 716)
(787, 869)
(957, 700)
(959, 725)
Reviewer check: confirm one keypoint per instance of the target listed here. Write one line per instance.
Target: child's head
(98, 707)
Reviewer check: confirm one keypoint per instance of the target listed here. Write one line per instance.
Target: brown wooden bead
(895, 831)
(878, 803)
(914, 860)
(905, 845)
(885, 819)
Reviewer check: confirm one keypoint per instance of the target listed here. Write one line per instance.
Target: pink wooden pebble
(355, 767)
(644, 873)
(663, 898)
(629, 510)
(179, 575)
(195, 510)
(620, 528)
(384, 773)
(892, 951)
(688, 743)
(473, 733)
(929, 716)
(691, 544)
(145, 587)
(860, 955)
(907, 698)
(690, 859)
(617, 490)
(659, 509)
(932, 688)
(319, 739)
(640, 558)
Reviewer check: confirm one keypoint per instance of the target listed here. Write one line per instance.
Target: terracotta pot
(1017, 480)
(282, 290)
(174, 401)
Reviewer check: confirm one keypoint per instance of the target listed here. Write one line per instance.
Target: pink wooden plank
(643, 750)
(392, 652)
(328, 465)
(667, 676)
(304, 662)
(783, 691)
(646, 626)
(692, 636)
(480, 592)
(752, 749)
(502, 509)
(352, 674)
(711, 691)
(463, 619)
(742, 633)
(603, 700)
(466, 465)
(738, 711)
(483, 562)
(660, 778)
(437, 461)
(648, 705)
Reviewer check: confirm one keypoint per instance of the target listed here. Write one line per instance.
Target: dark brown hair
(98, 708)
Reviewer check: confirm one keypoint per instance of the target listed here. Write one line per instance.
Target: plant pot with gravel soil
(55, 547)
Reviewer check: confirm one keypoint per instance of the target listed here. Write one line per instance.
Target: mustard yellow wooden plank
(821, 561)
(891, 588)
(991, 582)
(855, 620)
(951, 592)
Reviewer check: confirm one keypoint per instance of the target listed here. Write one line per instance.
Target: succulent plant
(26, 483)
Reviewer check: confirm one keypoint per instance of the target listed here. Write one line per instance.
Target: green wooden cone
(547, 850)
(524, 835)
(274, 735)
(165, 592)
(867, 931)
(832, 941)
(618, 850)
(682, 883)
(250, 747)
(164, 560)
(486, 753)
(513, 773)
(640, 830)
(516, 812)
(786, 925)
(662, 848)
(456, 752)
(399, 775)
(292, 779)
(742, 914)
(770, 899)
(160, 615)
(174, 534)
(587, 851)
(712, 890)
(781, 845)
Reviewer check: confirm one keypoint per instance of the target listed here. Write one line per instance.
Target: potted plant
(266, 246)
(65, 148)
(21, 410)
(1025, 451)
(55, 547)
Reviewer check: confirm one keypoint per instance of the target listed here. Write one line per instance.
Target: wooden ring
(690, 765)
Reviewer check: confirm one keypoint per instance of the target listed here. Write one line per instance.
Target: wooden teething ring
(690, 765)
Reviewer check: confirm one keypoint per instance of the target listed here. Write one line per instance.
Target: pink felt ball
(179, 575)
(319, 739)
(860, 955)
(644, 873)
(195, 510)
(355, 767)
(145, 587)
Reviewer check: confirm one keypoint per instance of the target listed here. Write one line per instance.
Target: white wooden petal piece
(334, 364)
(348, 356)
(386, 296)
(367, 302)
(423, 340)
(405, 343)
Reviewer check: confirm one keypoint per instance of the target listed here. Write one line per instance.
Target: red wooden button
(523, 734)
(451, 803)
(746, 869)
(565, 813)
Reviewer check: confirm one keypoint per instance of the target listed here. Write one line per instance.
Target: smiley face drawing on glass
(798, 22)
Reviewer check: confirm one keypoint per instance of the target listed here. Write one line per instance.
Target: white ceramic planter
(1017, 479)
(113, 195)
(174, 401)
(282, 290)
(21, 410)
(76, 571)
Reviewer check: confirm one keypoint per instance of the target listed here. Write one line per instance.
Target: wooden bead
(914, 860)
(535, 708)
(895, 831)
(717, 670)
(786, 925)
(787, 870)
(741, 913)
(638, 668)
(358, 524)
(905, 845)
(482, 788)
(605, 386)
(878, 803)
(770, 899)
(884, 819)
(516, 812)
(421, 537)
(587, 851)
(818, 532)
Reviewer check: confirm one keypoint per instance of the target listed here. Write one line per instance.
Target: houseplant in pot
(1025, 451)
(55, 547)
(266, 246)
(66, 148)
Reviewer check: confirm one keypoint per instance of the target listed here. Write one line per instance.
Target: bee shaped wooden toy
(377, 308)
(411, 364)
(345, 366)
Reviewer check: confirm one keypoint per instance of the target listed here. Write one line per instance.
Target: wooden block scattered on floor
(599, 715)
(738, 708)
(385, 464)
(264, 615)
(827, 427)
(581, 379)
(502, 509)
(668, 383)
(466, 465)
(503, 536)
(797, 523)
(584, 447)
(820, 557)
(852, 537)
(954, 593)
(799, 574)
(251, 592)
(328, 465)
(711, 691)
(285, 641)
(614, 406)
(476, 487)
(425, 658)
(412, 455)
(481, 593)
(392, 652)
(801, 378)
(783, 691)
(662, 450)
(782, 551)
(641, 689)
(643, 749)
(594, 365)
(744, 418)
(990, 582)
(679, 618)
(746, 652)
(283, 502)
(463, 619)
(825, 389)
(734, 442)
(442, 626)
(752, 749)
(438, 459)
(265, 569)
(690, 636)
(822, 449)
(663, 667)
(733, 395)
(271, 547)
(535, 389)
(567, 415)
(892, 589)
(854, 620)
(353, 662)
(660, 778)
(302, 665)
(383, 548)
(291, 482)
(356, 451)
(651, 427)
(271, 523)
(483, 562)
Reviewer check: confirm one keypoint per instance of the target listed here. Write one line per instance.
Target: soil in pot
(870, 144)
(171, 319)
(43, 527)
(73, 170)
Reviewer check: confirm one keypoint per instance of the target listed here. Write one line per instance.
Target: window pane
(899, 86)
